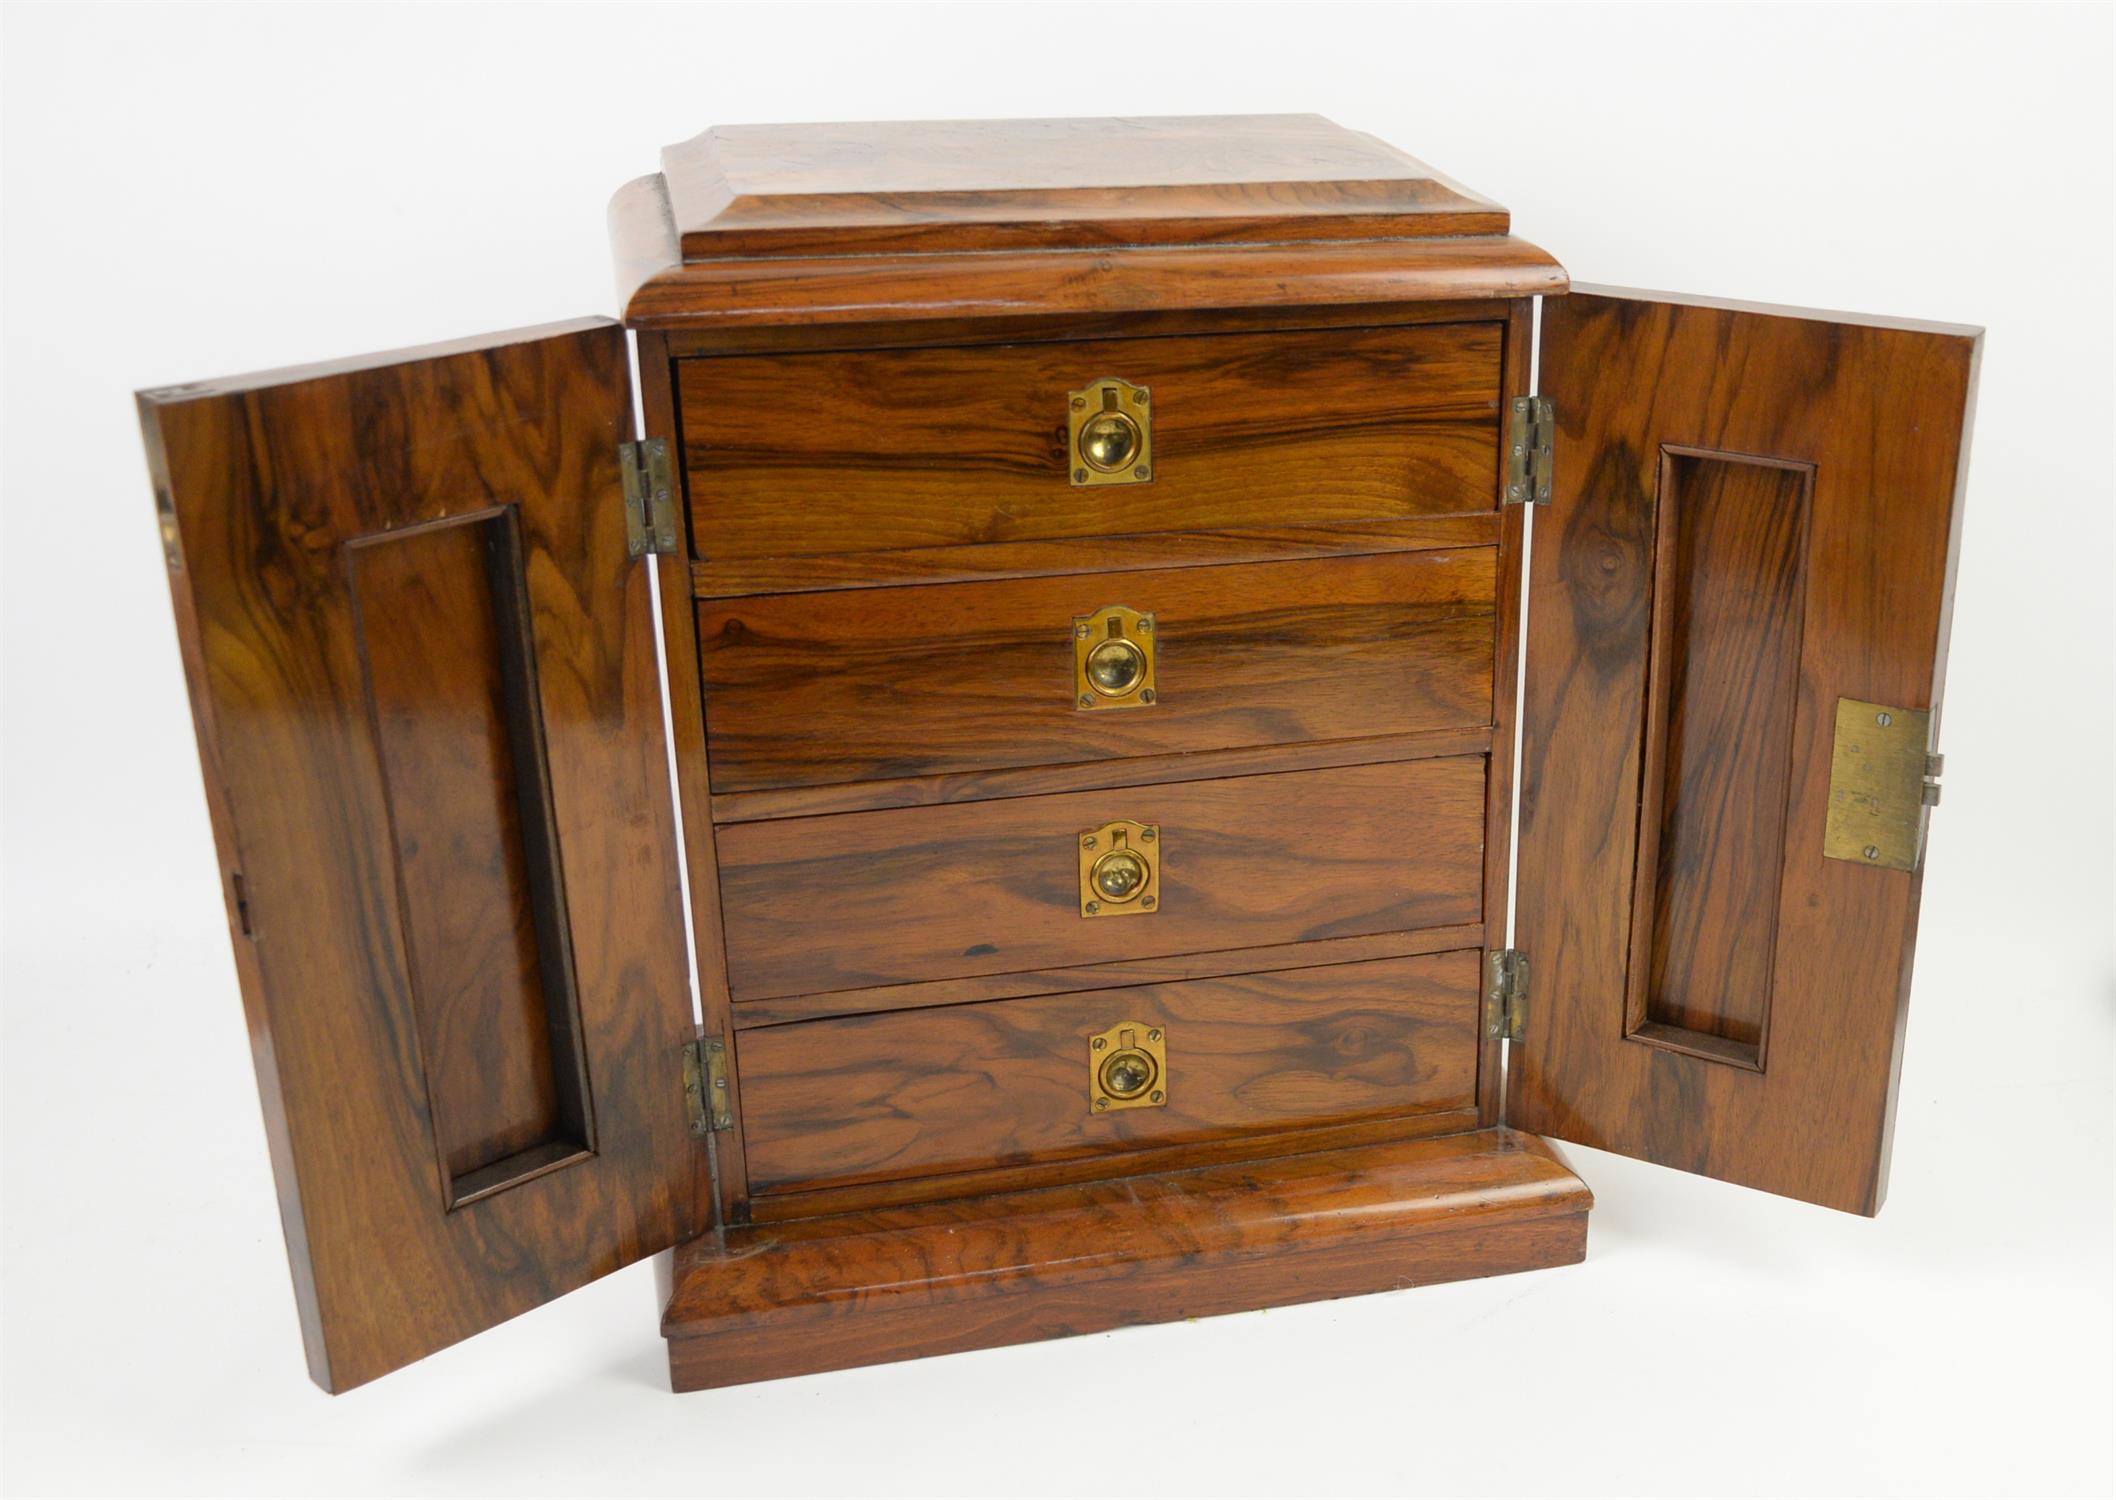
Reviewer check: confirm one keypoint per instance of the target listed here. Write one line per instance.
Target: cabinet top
(862, 189)
(762, 225)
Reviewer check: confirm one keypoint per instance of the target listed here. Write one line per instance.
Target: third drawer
(901, 895)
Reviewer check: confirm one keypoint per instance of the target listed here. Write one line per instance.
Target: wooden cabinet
(1091, 600)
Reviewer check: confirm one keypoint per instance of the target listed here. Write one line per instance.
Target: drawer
(809, 689)
(850, 900)
(908, 1094)
(877, 449)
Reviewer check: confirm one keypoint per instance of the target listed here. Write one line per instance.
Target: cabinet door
(422, 670)
(1739, 601)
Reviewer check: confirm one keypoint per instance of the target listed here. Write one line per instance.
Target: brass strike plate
(1881, 772)
(1127, 1067)
(1113, 659)
(1120, 870)
(1110, 433)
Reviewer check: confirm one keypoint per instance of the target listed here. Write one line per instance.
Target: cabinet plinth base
(766, 1301)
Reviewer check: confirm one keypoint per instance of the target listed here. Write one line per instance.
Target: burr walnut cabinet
(1020, 771)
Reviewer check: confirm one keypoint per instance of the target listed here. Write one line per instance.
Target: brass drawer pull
(1110, 433)
(1127, 1067)
(1113, 659)
(1120, 869)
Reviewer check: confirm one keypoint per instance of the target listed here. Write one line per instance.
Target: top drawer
(877, 449)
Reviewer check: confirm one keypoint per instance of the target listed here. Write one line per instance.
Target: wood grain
(926, 185)
(1031, 781)
(467, 788)
(975, 562)
(1729, 551)
(1106, 976)
(880, 449)
(989, 888)
(1008, 1083)
(804, 690)
(657, 289)
(1880, 411)
(769, 1301)
(264, 482)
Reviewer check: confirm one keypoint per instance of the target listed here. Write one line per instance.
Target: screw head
(1158, 1096)
(1872, 851)
(1142, 472)
(1087, 700)
(1100, 1043)
(1154, 1035)
(1093, 907)
(1147, 836)
(1884, 720)
(1088, 842)
(1146, 695)
(1147, 902)
(1080, 403)
(1102, 1104)
(1139, 397)
(1145, 626)
(1080, 476)
(1081, 632)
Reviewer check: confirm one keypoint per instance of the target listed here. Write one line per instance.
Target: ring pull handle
(1110, 432)
(1113, 659)
(1120, 869)
(1127, 1067)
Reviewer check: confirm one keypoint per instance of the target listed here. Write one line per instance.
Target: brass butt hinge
(705, 1095)
(1505, 995)
(650, 501)
(1529, 448)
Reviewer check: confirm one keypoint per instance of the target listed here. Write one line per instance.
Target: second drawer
(904, 894)
(808, 689)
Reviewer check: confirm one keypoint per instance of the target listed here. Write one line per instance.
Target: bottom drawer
(1008, 1083)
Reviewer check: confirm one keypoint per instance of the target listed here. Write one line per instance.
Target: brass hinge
(705, 1085)
(1528, 451)
(1505, 995)
(650, 502)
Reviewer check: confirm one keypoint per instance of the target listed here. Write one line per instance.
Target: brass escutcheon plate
(1109, 430)
(1127, 1068)
(1114, 660)
(1881, 771)
(1120, 869)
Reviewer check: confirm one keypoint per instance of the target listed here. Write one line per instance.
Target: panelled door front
(422, 669)
(1738, 611)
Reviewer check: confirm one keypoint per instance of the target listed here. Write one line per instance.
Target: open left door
(1738, 610)
(422, 669)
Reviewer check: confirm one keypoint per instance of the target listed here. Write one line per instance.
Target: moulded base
(766, 1301)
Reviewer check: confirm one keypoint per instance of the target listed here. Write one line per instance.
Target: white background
(197, 192)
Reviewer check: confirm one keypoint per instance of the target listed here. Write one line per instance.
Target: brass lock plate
(1127, 1068)
(1881, 781)
(1120, 870)
(1110, 433)
(1113, 660)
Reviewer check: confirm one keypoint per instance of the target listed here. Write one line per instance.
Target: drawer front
(876, 449)
(873, 1098)
(856, 899)
(810, 689)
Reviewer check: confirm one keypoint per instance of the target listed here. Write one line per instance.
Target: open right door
(1738, 612)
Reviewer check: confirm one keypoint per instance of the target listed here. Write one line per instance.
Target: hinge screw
(1873, 851)
(1884, 720)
